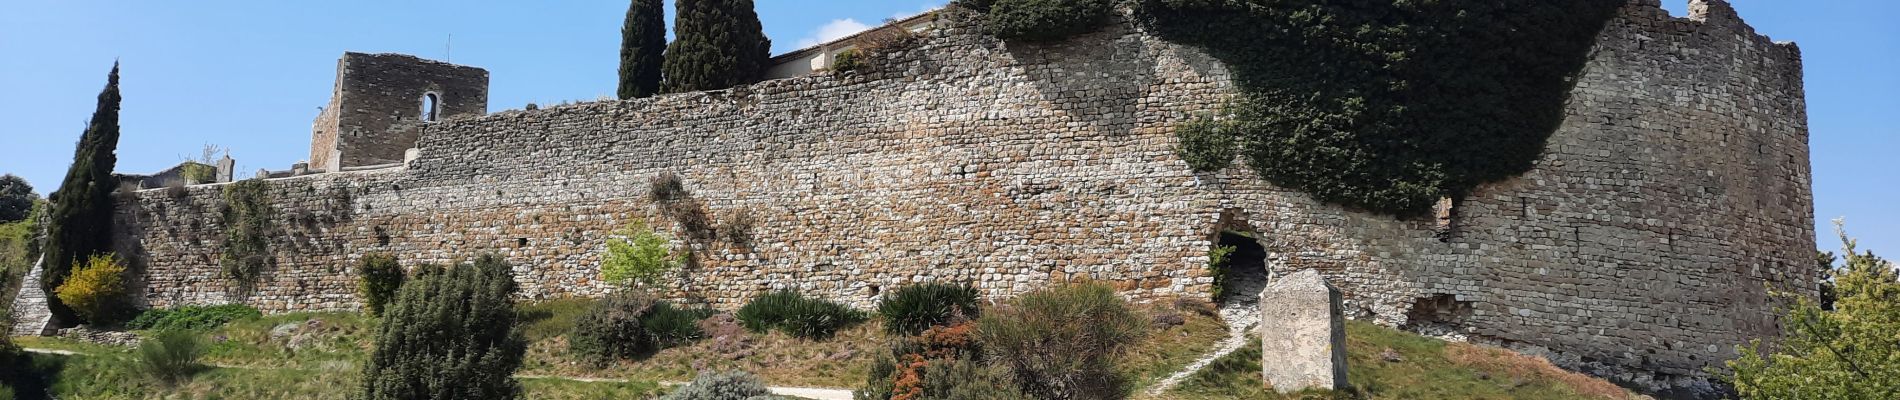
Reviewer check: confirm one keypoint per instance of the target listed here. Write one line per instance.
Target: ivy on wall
(1041, 20)
(248, 226)
(1388, 105)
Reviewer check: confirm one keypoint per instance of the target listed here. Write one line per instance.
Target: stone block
(1302, 334)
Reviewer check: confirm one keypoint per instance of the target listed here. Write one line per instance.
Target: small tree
(449, 335)
(642, 41)
(378, 278)
(81, 223)
(1851, 352)
(96, 290)
(16, 198)
(640, 256)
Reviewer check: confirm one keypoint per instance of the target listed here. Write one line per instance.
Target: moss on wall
(1387, 105)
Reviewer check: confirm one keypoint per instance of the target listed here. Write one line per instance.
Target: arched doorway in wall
(1239, 264)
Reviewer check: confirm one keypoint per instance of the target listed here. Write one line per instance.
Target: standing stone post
(1302, 334)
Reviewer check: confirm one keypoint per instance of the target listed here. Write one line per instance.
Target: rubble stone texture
(1641, 247)
(377, 109)
(1302, 334)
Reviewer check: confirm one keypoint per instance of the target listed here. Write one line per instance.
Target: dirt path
(805, 392)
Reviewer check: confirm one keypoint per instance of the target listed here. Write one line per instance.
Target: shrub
(96, 290)
(20, 373)
(170, 356)
(1061, 343)
(612, 328)
(1844, 353)
(641, 257)
(673, 325)
(914, 308)
(1043, 20)
(197, 318)
(378, 277)
(736, 226)
(665, 187)
(1218, 259)
(847, 61)
(1206, 144)
(449, 334)
(732, 385)
(793, 313)
(248, 227)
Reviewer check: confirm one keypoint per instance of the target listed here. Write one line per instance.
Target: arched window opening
(429, 106)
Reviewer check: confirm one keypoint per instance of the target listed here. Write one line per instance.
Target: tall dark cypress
(81, 222)
(717, 44)
(642, 39)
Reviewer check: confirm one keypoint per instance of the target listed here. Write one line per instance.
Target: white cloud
(834, 30)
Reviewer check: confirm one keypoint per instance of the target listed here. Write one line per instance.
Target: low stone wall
(1638, 248)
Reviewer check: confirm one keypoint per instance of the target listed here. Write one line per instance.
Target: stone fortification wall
(1638, 246)
(380, 102)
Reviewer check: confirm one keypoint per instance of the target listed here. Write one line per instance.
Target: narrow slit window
(429, 106)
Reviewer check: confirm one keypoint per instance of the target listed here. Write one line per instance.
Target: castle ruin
(1640, 247)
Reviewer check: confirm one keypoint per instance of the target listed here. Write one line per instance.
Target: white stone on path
(1302, 334)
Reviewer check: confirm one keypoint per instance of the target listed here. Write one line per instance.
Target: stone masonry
(382, 100)
(1639, 247)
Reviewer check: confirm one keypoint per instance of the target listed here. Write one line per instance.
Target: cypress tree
(642, 39)
(81, 222)
(717, 44)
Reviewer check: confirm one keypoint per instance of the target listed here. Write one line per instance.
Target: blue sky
(249, 75)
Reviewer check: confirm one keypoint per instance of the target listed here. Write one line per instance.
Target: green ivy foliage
(1206, 144)
(248, 226)
(1043, 20)
(1387, 105)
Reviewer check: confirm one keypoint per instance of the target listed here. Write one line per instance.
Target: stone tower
(380, 103)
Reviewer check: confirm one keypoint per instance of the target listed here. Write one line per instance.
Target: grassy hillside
(318, 356)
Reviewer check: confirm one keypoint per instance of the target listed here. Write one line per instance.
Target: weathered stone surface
(381, 102)
(1639, 247)
(1302, 333)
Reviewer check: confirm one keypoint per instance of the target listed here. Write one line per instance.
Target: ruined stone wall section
(1638, 247)
(378, 107)
(1676, 188)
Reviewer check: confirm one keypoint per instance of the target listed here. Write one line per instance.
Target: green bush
(450, 334)
(1061, 343)
(248, 227)
(1206, 144)
(914, 308)
(847, 61)
(673, 325)
(20, 373)
(642, 257)
(1043, 20)
(611, 329)
(732, 385)
(1847, 352)
(170, 356)
(793, 313)
(378, 277)
(1218, 259)
(1390, 105)
(198, 318)
(96, 290)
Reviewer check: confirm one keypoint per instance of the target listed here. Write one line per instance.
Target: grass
(779, 359)
(1168, 350)
(1429, 369)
